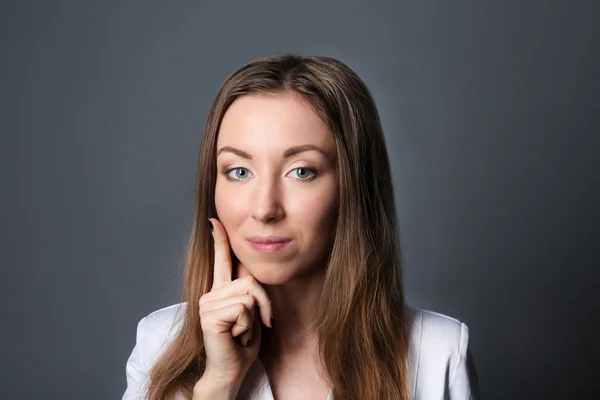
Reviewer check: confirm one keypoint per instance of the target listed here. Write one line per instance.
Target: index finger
(222, 268)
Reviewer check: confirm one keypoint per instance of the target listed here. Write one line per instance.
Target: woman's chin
(270, 278)
(269, 274)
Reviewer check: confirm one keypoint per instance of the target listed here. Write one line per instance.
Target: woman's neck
(294, 304)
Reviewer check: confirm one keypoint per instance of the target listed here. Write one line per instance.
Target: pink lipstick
(268, 244)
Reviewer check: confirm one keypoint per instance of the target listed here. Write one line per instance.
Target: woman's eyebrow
(286, 154)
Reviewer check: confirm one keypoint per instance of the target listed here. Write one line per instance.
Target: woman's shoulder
(156, 330)
(166, 316)
(434, 328)
(439, 357)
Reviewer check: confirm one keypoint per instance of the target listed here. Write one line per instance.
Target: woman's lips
(269, 247)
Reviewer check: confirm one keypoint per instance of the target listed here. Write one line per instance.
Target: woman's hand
(228, 312)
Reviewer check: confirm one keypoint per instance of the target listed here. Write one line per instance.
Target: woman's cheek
(227, 201)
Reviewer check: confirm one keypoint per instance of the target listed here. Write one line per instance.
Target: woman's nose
(266, 203)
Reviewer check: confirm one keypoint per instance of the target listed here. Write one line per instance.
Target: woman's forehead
(275, 121)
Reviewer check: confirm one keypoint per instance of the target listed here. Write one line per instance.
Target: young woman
(293, 282)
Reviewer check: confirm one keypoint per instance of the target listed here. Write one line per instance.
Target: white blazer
(440, 363)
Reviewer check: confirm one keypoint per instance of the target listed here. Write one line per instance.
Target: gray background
(491, 113)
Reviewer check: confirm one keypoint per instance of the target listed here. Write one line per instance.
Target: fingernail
(211, 225)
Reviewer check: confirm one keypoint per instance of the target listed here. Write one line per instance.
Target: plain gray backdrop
(491, 113)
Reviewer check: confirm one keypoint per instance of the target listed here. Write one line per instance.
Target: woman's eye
(238, 176)
(304, 174)
(304, 171)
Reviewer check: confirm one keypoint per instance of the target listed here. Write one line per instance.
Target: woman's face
(264, 188)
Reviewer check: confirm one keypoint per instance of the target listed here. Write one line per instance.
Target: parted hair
(361, 320)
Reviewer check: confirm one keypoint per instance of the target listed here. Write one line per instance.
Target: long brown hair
(361, 323)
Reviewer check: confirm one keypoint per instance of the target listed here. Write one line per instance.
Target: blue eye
(242, 173)
(238, 177)
(306, 170)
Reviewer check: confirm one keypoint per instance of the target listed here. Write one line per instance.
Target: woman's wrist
(211, 387)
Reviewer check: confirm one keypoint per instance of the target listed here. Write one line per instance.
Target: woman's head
(276, 176)
(343, 220)
(267, 107)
